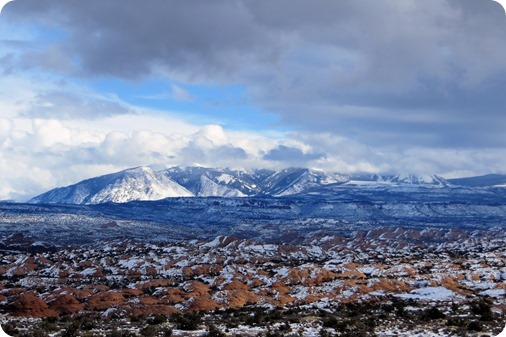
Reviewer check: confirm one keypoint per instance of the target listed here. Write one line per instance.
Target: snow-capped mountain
(400, 179)
(205, 182)
(141, 183)
(296, 180)
(144, 183)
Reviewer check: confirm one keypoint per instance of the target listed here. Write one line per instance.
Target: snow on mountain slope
(203, 181)
(209, 188)
(420, 180)
(143, 183)
(140, 183)
(293, 181)
(399, 179)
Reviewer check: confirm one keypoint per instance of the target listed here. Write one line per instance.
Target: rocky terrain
(297, 219)
(369, 256)
(454, 288)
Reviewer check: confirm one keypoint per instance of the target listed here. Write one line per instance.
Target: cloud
(71, 105)
(421, 73)
(180, 94)
(3, 3)
(288, 154)
(176, 93)
(375, 86)
(49, 153)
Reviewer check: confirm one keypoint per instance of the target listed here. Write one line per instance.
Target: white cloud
(422, 72)
(180, 94)
(51, 153)
(382, 87)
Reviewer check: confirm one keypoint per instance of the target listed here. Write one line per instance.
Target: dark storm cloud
(129, 38)
(425, 73)
(291, 155)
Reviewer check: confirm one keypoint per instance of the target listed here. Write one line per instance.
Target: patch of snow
(495, 293)
(430, 293)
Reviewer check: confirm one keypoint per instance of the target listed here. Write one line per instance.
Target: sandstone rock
(103, 301)
(157, 283)
(141, 310)
(148, 300)
(66, 304)
(128, 292)
(175, 295)
(196, 288)
(202, 303)
(235, 284)
(28, 304)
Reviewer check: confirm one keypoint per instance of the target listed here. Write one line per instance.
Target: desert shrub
(354, 327)
(431, 314)
(474, 326)
(285, 327)
(72, 329)
(118, 333)
(271, 333)
(483, 307)
(136, 319)
(37, 332)
(187, 321)
(87, 324)
(455, 321)
(158, 319)
(324, 333)
(255, 319)
(10, 328)
(329, 322)
(48, 325)
(166, 332)
(213, 331)
(274, 316)
(149, 331)
(400, 307)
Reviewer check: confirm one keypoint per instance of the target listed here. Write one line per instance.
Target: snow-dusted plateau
(216, 252)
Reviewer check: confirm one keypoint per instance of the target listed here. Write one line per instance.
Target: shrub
(432, 313)
(158, 319)
(482, 308)
(38, 333)
(187, 321)
(149, 331)
(213, 331)
(474, 326)
(10, 329)
(72, 330)
(166, 332)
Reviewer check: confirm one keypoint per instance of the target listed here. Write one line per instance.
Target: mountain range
(144, 183)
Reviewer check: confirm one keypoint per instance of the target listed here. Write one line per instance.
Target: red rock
(28, 304)
(103, 301)
(66, 304)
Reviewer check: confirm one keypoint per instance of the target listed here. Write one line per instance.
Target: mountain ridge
(144, 183)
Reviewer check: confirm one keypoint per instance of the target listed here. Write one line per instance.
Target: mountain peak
(145, 183)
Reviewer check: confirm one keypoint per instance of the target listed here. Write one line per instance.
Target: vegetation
(348, 320)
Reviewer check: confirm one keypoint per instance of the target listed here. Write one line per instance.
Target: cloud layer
(379, 86)
(425, 73)
(50, 153)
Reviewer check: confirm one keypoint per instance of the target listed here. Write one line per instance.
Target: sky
(380, 86)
